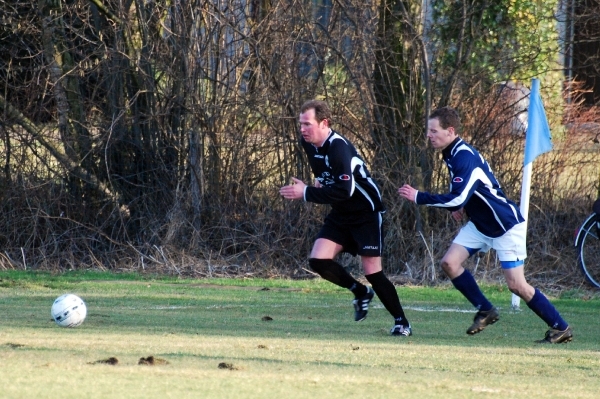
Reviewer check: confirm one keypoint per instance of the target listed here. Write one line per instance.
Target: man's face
(439, 137)
(313, 131)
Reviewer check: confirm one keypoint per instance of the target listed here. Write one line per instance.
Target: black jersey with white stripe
(346, 183)
(474, 187)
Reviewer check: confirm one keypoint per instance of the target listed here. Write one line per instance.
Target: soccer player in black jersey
(354, 224)
(493, 222)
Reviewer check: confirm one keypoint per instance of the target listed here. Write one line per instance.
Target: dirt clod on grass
(13, 345)
(267, 318)
(113, 361)
(227, 366)
(151, 361)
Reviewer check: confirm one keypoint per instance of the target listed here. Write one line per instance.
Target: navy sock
(542, 307)
(467, 286)
(335, 273)
(387, 294)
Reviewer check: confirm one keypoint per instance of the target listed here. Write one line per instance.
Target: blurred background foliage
(153, 136)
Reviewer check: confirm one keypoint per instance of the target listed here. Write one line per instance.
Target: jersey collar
(447, 152)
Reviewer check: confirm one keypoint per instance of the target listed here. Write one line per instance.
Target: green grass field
(215, 339)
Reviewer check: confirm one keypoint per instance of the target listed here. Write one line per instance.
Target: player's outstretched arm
(407, 192)
(293, 191)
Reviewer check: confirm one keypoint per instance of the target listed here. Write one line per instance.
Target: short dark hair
(448, 117)
(321, 108)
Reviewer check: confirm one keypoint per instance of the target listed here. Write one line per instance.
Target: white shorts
(510, 247)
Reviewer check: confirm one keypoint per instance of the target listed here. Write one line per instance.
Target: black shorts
(359, 234)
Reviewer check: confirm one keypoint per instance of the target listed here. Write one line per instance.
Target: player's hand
(408, 192)
(458, 215)
(293, 191)
(317, 183)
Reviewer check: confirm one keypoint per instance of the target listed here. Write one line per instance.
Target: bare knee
(516, 289)
(522, 289)
(515, 279)
(452, 269)
(453, 259)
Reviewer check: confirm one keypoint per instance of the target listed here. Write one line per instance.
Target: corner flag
(537, 142)
(537, 138)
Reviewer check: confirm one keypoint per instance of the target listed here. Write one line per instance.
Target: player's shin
(335, 273)
(542, 307)
(387, 294)
(467, 285)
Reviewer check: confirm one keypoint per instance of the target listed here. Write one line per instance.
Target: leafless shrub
(154, 138)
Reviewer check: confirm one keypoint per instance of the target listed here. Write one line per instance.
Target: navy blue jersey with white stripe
(474, 187)
(346, 183)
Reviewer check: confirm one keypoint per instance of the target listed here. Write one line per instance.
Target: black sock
(387, 294)
(402, 322)
(335, 273)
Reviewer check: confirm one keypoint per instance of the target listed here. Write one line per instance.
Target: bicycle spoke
(593, 230)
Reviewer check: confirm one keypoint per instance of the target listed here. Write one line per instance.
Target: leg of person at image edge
(559, 331)
(335, 273)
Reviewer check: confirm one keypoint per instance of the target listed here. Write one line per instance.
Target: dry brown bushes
(155, 139)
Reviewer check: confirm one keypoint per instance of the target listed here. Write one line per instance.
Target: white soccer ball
(68, 310)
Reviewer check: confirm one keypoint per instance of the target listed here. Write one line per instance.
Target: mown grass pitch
(279, 338)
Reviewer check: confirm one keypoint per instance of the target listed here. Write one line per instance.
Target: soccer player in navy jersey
(354, 224)
(493, 222)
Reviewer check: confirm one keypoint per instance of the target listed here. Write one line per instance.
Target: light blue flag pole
(537, 142)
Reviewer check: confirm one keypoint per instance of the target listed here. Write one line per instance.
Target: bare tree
(154, 135)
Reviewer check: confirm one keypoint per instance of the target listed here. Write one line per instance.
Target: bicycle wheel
(589, 249)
